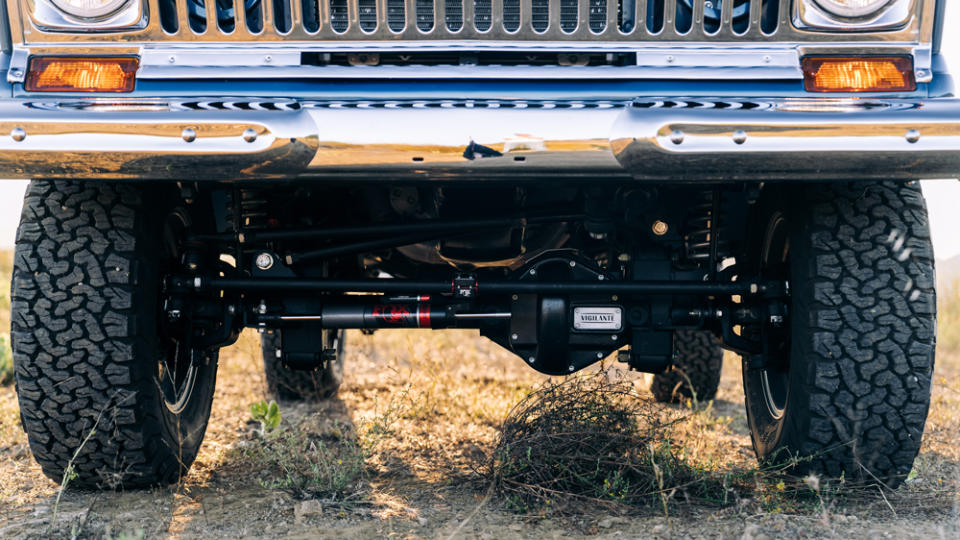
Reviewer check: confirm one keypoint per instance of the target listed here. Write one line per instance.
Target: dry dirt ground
(427, 407)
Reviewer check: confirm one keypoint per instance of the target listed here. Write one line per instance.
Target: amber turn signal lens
(78, 74)
(859, 74)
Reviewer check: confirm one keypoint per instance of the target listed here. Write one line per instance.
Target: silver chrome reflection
(480, 140)
(151, 141)
(789, 140)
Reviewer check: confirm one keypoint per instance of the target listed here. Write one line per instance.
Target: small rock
(421, 520)
(605, 523)
(307, 509)
(660, 529)
(516, 527)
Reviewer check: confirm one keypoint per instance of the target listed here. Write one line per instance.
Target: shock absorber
(390, 314)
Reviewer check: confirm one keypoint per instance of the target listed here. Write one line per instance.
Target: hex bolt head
(533, 271)
(913, 136)
(189, 135)
(18, 134)
(676, 137)
(570, 368)
(532, 360)
(573, 263)
(514, 337)
(659, 228)
(264, 261)
(614, 337)
(250, 135)
(739, 136)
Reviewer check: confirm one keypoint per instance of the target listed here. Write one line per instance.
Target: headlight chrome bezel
(845, 12)
(112, 7)
(119, 15)
(890, 15)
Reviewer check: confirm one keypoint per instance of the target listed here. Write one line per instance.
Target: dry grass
(6, 360)
(421, 410)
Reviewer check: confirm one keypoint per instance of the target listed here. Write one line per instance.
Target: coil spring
(248, 209)
(703, 229)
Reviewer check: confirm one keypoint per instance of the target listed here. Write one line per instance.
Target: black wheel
(697, 364)
(289, 384)
(846, 382)
(109, 390)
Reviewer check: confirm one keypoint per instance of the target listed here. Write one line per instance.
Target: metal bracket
(17, 72)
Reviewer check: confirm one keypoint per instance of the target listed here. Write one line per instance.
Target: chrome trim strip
(663, 61)
(789, 140)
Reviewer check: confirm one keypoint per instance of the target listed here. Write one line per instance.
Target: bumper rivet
(913, 136)
(249, 135)
(659, 228)
(676, 137)
(264, 261)
(739, 136)
(18, 134)
(189, 135)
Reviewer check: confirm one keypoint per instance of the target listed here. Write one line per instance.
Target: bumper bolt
(18, 134)
(739, 136)
(189, 135)
(249, 135)
(264, 261)
(676, 137)
(913, 136)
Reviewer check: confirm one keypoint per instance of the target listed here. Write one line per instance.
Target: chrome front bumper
(668, 140)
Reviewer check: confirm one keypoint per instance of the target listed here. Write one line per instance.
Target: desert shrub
(325, 466)
(587, 441)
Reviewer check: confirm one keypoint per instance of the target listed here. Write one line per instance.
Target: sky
(943, 196)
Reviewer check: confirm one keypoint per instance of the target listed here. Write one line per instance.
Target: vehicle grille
(506, 20)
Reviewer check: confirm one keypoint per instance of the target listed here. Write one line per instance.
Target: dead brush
(571, 446)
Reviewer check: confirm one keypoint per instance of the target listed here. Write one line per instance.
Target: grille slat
(451, 11)
(525, 20)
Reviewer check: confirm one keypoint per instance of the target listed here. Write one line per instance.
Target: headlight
(852, 8)
(89, 9)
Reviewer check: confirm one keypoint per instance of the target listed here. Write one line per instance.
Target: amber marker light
(80, 74)
(858, 74)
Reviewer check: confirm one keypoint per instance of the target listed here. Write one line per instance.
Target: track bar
(489, 287)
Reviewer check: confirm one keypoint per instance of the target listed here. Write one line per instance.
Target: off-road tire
(695, 373)
(295, 385)
(862, 332)
(85, 341)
